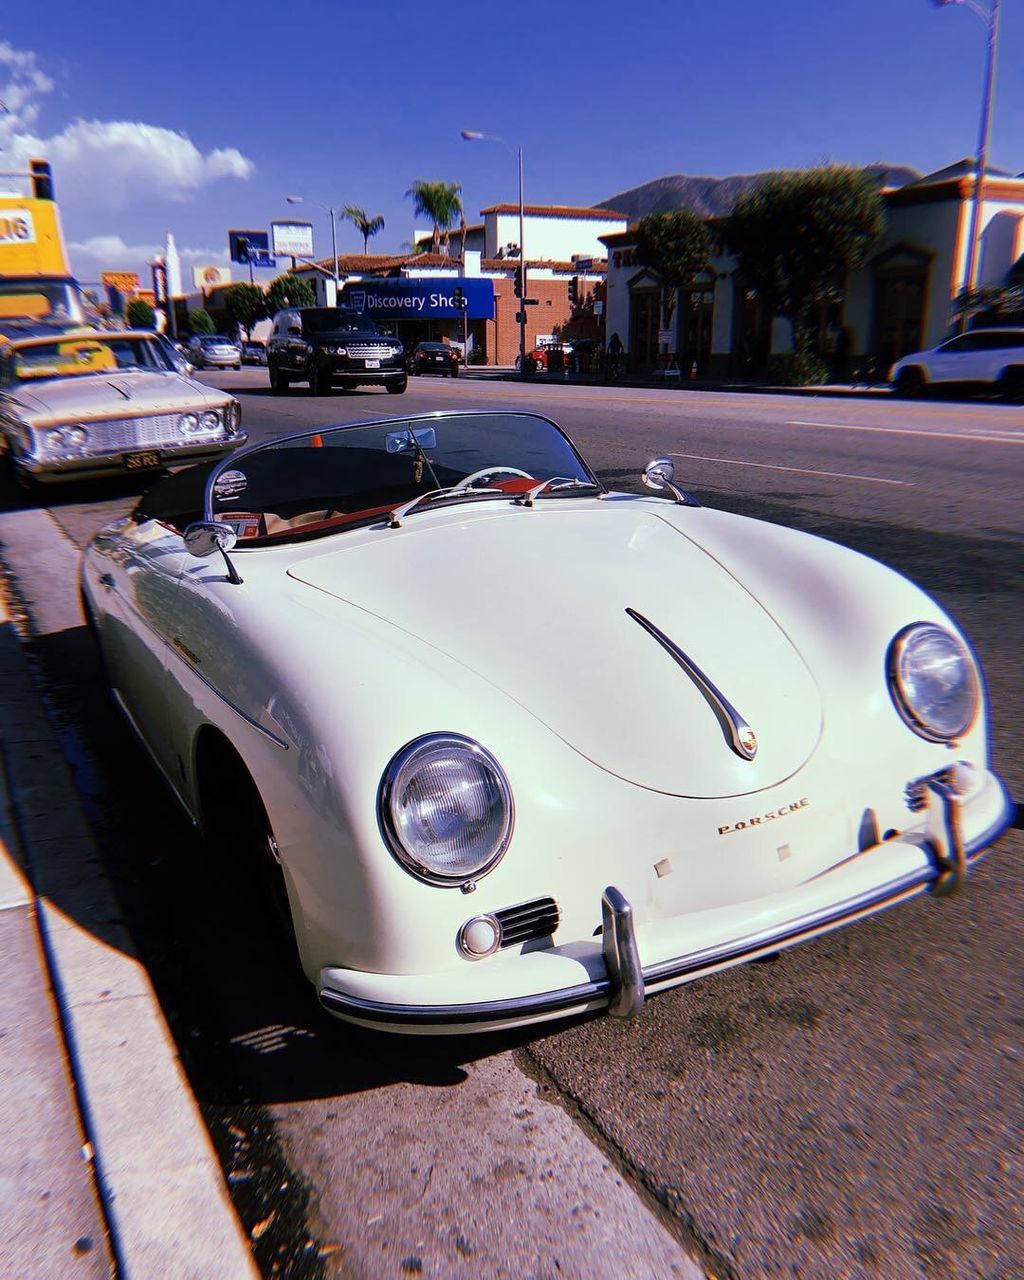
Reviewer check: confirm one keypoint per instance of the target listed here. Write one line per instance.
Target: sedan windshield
(329, 480)
(336, 320)
(80, 356)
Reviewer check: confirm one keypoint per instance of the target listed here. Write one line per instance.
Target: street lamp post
(990, 17)
(471, 135)
(334, 238)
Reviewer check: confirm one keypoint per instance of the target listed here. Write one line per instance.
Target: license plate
(373, 364)
(141, 461)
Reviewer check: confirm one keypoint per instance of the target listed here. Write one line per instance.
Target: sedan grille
(135, 433)
(528, 921)
(364, 351)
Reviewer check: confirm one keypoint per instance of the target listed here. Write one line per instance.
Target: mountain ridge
(714, 197)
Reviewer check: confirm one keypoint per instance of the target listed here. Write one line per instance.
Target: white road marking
(803, 471)
(909, 431)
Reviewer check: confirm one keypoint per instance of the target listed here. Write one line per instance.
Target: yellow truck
(38, 293)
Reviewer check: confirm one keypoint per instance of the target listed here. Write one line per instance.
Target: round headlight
(188, 423)
(933, 682)
(210, 421)
(446, 809)
(54, 437)
(76, 435)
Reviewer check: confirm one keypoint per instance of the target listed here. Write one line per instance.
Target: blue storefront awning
(421, 299)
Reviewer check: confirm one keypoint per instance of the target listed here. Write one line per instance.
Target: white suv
(983, 358)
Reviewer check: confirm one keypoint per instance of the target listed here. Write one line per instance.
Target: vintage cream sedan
(506, 746)
(85, 404)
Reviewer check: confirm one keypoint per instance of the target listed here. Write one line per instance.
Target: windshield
(215, 340)
(336, 320)
(40, 301)
(329, 480)
(79, 356)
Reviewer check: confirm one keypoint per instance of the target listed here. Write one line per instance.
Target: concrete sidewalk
(847, 390)
(106, 1167)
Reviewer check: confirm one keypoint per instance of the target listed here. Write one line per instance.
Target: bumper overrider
(630, 961)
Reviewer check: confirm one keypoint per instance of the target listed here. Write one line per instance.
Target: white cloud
(111, 253)
(105, 163)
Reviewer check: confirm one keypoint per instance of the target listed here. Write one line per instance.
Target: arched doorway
(901, 279)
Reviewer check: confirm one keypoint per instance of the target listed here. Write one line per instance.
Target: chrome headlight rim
(389, 827)
(911, 715)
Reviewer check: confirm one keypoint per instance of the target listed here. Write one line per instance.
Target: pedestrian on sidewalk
(615, 350)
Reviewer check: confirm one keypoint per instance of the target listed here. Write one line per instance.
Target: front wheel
(1011, 385)
(318, 384)
(909, 384)
(278, 381)
(396, 387)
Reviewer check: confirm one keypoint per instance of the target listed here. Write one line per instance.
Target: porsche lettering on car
(505, 746)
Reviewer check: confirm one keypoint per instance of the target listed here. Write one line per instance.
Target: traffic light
(459, 298)
(520, 282)
(574, 290)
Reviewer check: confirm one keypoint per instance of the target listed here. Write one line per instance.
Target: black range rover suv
(324, 346)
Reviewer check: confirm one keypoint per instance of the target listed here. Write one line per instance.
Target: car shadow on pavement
(247, 1024)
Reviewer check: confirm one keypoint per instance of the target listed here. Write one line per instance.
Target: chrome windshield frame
(231, 460)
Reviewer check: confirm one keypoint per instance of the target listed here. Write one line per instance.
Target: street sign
(584, 264)
(598, 307)
(531, 302)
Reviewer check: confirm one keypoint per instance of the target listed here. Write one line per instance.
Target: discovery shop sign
(424, 299)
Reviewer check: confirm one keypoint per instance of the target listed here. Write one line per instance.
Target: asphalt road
(850, 1110)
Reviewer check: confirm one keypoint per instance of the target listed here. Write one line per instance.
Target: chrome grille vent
(528, 921)
(364, 351)
(135, 433)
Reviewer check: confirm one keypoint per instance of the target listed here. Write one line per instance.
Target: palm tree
(440, 202)
(367, 226)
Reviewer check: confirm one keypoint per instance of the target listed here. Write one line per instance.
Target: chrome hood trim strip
(738, 734)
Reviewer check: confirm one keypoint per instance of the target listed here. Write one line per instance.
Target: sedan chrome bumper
(934, 856)
(84, 466)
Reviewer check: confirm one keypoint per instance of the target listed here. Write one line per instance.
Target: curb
(841, 392)
(163, 1194)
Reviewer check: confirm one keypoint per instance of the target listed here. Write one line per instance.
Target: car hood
(535, 601)
(121, 395)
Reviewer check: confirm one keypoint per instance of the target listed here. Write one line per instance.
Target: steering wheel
(486, 473)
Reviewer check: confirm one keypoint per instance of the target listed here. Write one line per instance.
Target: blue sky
(350, 104)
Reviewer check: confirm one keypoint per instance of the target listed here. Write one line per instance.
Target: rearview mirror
(406, 441)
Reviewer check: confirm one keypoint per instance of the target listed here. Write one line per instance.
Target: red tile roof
(558, 211)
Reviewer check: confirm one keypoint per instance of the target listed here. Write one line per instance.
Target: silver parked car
(94, 403)
(214, 351)
(982, 359)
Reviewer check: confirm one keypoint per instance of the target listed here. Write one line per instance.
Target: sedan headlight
(337, 351)
(446, 809)
(933, 682)
(188, 424)
(209, 421)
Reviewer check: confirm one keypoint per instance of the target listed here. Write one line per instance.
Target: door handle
(107, 580)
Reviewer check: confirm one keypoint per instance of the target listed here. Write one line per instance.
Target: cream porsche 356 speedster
(507, 746)
(96, 403)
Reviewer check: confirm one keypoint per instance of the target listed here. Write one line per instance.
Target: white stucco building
(900, 300)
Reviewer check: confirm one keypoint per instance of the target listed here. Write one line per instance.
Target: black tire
(237, 830)
(396, 387)
(1011, 385)
(909, 383)
(279, 381)
(318, 384)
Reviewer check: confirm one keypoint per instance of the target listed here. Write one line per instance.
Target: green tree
(200, 321)
(139, 314)
(367, 226)
(676, 245)
(798, 235)
(245, 304)
(289, 291)
(441, 203)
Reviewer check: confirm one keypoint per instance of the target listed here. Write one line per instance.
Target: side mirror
(204, 538)
(658, 475)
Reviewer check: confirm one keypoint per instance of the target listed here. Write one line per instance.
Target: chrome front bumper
(85, 465)
(934, 857)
